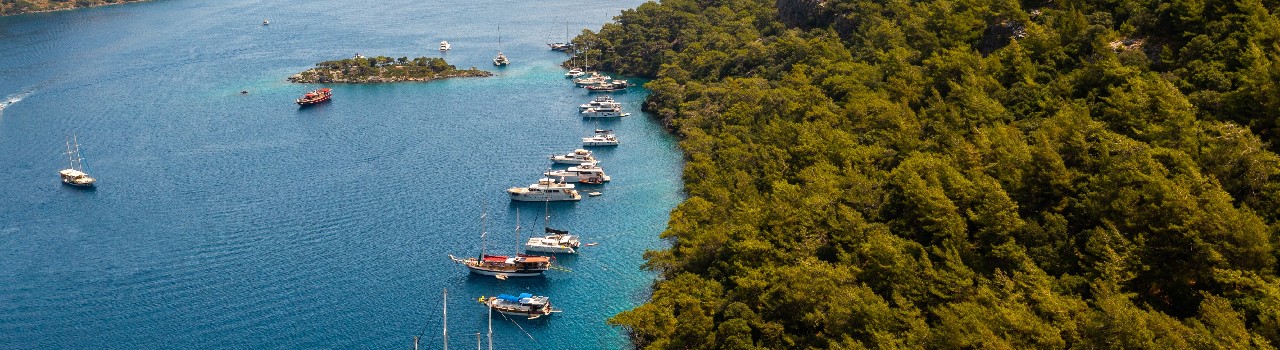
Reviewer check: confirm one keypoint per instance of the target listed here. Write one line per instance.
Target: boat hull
(527, 273)
(545, 249)
(543, 198)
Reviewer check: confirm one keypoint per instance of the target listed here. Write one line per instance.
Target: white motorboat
(524, 304)
(556, 241)
(601, 138)
(574, 73)
(600, 102)
(578, 156)
(265, 22)
(595, 78)
(545, 190)
(603, 113)
(75, 175)
(588, 173)
(444, 46)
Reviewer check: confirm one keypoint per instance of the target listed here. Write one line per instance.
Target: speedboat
(601, 138)
(588, 173)
(556, 241)
(524, 304)
(601, 102)
(560, 46)
(444, 46)
(578, 156)
(545, 190)
(315, 97)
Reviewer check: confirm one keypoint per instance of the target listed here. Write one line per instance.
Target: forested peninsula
(383, 69)
(14, 7)
(962, 173)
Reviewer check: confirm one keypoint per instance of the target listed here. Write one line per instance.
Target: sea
(230, 220)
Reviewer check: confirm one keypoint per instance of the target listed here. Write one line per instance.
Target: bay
(229, 220)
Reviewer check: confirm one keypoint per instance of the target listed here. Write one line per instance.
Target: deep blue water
(224, 220)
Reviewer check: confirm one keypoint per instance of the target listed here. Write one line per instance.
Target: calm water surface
(224, 220)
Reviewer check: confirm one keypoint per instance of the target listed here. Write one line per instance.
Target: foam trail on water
(14, 98)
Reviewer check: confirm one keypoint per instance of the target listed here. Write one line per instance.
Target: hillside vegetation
(962, 173)
(13, 7)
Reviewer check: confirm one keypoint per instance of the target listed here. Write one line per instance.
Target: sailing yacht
(75, 175)
(503, 266)
(501, 60)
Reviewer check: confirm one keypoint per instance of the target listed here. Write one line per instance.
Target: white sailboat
(501, 60)
(75, 175)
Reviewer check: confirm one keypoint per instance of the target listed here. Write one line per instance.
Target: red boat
(315, 97)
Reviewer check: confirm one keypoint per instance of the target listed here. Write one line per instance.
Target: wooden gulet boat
(503, 266)
(315, 97)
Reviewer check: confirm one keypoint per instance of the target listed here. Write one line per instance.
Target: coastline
(6, 8)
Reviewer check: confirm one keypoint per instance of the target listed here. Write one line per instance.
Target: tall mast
(483, 232)
(547, 214)
(446, 319)
(491, 327)
(517, 230)
(70, 158)
(79, 163)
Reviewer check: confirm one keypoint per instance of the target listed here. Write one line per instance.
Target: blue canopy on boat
(509, 298)
(525, 295)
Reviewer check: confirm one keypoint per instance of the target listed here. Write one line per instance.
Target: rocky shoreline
(382, 69)
(9, 8)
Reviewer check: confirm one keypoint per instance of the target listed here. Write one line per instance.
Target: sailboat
(501, 60)
(503, 266)
(75, 175)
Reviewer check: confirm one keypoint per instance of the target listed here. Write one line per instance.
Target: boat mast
(483, 232)
(79, 163)
(517, 231)
(490, 327)
(446, 319)
(70, 158)
(547, 213)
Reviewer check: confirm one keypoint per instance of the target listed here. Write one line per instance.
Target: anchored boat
(315, 97)
(545, 190)
(75, 175)
(524, 304)
(503, 266)
(578, 156)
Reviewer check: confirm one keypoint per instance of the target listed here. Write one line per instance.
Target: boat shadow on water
(527, 284)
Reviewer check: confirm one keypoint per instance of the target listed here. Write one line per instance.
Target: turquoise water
(224, 220)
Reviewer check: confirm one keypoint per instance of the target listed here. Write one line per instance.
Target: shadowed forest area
(962, 173)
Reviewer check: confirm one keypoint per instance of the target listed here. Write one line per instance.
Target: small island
(383, 69)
